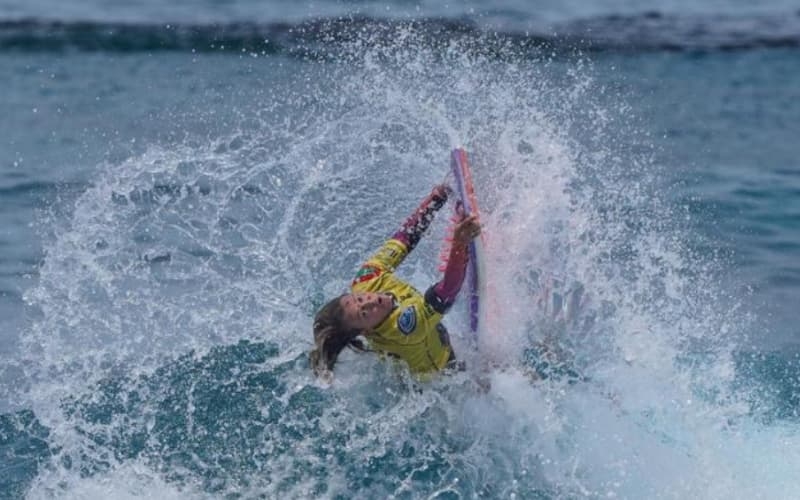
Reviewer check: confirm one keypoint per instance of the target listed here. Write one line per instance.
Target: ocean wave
(645, 32)
(228, 420)
(236, 398)
(28, 188)
(23, 449)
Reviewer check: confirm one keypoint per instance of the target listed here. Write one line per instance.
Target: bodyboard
(476, 275)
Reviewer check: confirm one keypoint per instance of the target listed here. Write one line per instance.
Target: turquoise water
(176, 200)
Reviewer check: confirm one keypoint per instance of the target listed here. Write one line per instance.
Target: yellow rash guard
(412, 331)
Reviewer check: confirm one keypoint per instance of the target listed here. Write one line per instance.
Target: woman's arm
(396, 248)
(417, 223)
(442, 295)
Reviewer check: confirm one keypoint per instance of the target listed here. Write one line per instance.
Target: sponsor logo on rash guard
(366, 273)
(407, 321)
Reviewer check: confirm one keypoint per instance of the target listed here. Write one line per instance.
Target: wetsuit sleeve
(417, 223)
(442, 295)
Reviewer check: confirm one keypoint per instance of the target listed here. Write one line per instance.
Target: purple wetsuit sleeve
(417, 223)
(442, 295)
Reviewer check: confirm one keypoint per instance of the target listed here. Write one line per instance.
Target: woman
(393, 317)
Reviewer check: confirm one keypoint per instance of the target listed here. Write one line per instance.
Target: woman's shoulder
(376, 280)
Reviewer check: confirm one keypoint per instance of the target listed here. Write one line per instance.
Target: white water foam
(198, 245)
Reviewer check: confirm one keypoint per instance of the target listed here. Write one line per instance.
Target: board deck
(476, 278)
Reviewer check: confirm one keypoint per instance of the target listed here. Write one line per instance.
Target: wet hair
(331, 336)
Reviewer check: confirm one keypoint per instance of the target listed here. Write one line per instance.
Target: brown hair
(331, 336)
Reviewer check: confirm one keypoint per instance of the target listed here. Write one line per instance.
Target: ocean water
(182, 186)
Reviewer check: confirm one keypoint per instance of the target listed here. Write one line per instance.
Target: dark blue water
(182, 186)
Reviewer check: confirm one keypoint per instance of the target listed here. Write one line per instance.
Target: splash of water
(170, 259)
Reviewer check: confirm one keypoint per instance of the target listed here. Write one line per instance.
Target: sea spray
(176, 301)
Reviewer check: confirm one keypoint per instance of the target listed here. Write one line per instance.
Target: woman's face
(365, 311)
